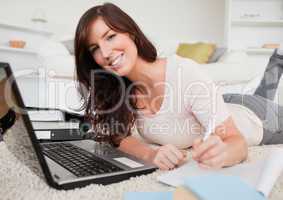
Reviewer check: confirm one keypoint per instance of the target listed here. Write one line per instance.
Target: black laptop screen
(19, 138)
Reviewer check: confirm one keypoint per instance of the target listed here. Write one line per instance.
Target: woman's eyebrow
(103, 35)
(106, 32)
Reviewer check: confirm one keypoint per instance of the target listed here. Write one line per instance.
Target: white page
(251, 173)
(43, 135)
(46, 115)
(271, 172)
(54, 125)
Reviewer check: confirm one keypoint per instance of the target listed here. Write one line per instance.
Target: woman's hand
(211, 153)
(168, 157)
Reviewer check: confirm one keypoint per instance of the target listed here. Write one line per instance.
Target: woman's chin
(121, 71)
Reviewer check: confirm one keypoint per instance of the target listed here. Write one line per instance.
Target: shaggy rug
(19, 180)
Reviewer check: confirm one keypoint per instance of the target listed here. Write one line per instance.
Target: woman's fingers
(178, 153)
(165, 160)
(185, 153)
(169, 157)
(204, 146)
(203, 166)
(174, 155)
(197, 142)
(161, 165)
(212, 152)
(215, 162)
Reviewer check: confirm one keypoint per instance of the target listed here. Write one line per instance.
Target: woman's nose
(105, 51)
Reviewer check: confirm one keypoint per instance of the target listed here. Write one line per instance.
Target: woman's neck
(147, 73)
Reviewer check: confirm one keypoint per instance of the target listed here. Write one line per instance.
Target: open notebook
(261, 174)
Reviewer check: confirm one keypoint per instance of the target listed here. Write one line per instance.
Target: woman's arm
(165, 157)
(134, 146)
(225, 147)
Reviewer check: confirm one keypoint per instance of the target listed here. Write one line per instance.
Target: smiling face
(113, 51)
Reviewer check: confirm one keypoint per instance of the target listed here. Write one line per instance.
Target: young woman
(172, 103)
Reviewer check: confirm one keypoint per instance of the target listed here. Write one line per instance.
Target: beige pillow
(199, 52)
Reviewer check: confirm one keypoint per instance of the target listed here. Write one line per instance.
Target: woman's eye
(93, 49)
(111, 36)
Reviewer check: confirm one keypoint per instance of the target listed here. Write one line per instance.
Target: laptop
(64, 164)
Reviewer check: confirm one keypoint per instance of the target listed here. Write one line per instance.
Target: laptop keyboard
(77, 160)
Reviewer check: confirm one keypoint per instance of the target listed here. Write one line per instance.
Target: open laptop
(65, 164)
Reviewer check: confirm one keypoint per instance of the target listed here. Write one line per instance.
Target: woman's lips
(117, 62)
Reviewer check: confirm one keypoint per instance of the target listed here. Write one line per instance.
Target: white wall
(161, 20)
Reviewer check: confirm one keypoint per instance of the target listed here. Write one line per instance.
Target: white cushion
(236, 56)
(228, 72)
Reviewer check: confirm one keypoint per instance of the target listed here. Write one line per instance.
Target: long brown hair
(103, 91)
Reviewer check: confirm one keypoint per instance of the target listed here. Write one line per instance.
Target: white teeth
(117, 60)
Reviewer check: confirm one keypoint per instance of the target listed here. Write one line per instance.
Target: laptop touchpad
(128, 162)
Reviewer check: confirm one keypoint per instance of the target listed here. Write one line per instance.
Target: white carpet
(18, 181)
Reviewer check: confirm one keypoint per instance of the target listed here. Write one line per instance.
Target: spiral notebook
(261, 174)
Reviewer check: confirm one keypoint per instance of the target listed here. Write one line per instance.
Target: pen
(207, 133)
